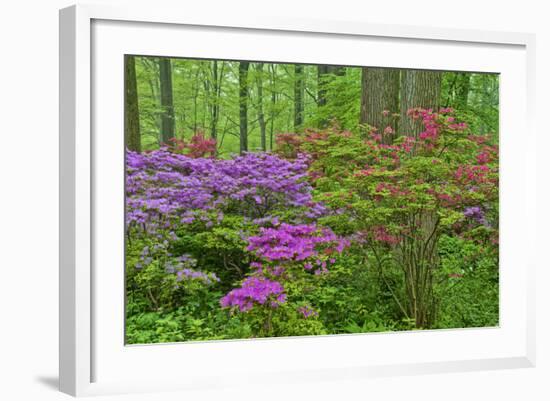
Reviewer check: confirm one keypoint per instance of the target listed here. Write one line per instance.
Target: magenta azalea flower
(255, 291)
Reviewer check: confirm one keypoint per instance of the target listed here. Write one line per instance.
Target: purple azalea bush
(255, 291)
(306, 244)
(167, 190)
(161, 185)
(477, 214)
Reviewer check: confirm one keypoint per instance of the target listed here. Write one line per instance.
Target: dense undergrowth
(334, 232)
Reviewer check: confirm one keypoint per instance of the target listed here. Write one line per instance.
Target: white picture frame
(93, 360)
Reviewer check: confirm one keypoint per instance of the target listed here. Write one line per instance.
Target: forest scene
(269, 200)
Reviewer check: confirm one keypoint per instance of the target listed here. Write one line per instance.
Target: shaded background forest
(244, 105)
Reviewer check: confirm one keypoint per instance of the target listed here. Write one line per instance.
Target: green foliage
(470, 295)
(344, 92)
(416, 260)
(474, 96)
(401, 199)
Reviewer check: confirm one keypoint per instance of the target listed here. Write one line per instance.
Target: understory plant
(336, 232)
(397, 200)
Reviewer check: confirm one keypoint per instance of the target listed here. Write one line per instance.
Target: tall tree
(151, 67)
(132, 137)
(195, 95)
(298, 96)
(243, 106)
(212, 80)
(379, 99)
(272, 79)
(166, 100)
(261, 118)
(324, 74)
(419, 88)
(322, 71)
(217, 84)
(463, 89)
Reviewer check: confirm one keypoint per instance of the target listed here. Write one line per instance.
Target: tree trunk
(166, 100)
(463, 89)
(324, 73)
(261, 119)
(243, 106)
(195, 96)
(152, 68)
(419, 88)
(379, 99)
(132, 136)
(298, 96)
(207, 81)
(216, 102)
(273, 104)
(422, 89)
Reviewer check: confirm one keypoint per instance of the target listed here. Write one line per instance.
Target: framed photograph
(290, 200)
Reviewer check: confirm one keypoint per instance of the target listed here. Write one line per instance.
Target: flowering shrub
(195, 275)
(285, 247)
(199, 146)
(161, 186)
(307, 311)
(397, 200)
(476, 213)
(255, 290)
(294, 243)
(290, 243)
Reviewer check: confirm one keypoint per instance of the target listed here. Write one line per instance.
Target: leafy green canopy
(206, 100)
